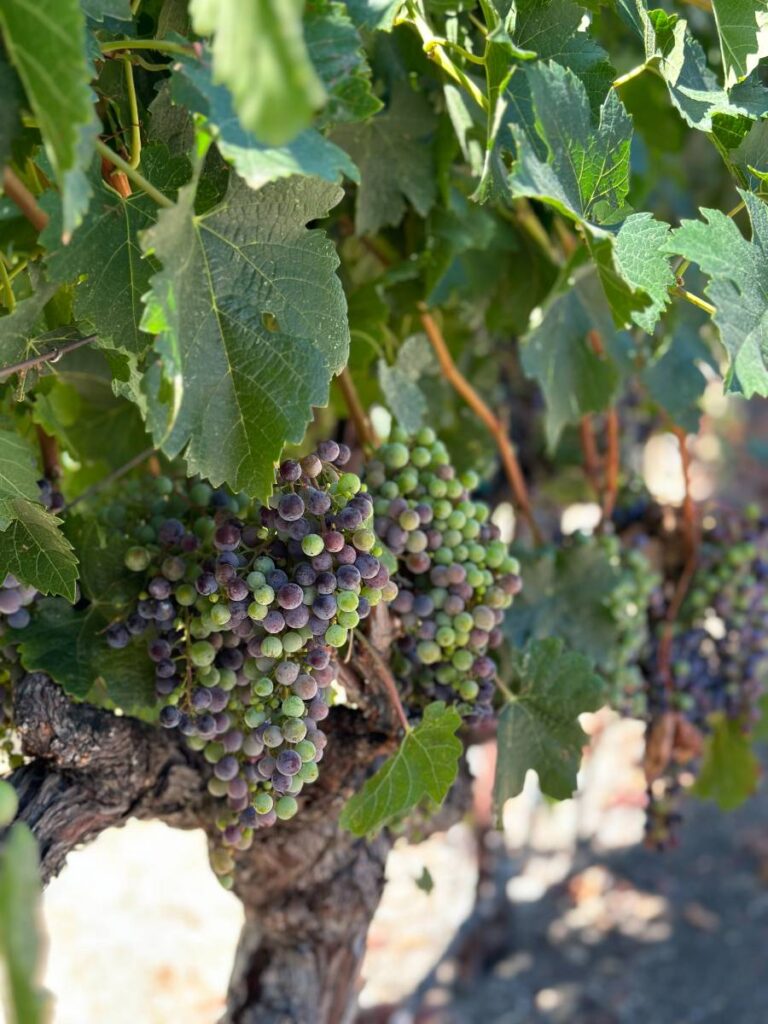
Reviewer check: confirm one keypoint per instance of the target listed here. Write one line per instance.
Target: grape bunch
(635, 588)
(243, 609)
(455, 577)
(719, 651)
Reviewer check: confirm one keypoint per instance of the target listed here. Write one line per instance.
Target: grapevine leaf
(98, 10)
(260, 54)
(560, 355)
(674, 379)
(336, 52)
(396, 161)
(538, 727)
(309, 153)
(425, 766)
(18, 475)
(252, 325)
(21, 328)
(104, 256)
(45, 41)
(69, 644)
(400, 382)
(742, 26)
(641, 261)
(585, 172)
(730, 770)
(565, 594)
(680, 60)
(738, 287)
(374, 14)
(551, 29)
(36, 552)
(62, 642)
(749, 158)
(20, 945)
(79, 408)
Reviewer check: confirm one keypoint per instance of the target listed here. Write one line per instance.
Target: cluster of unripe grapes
(244, 608)
(455, 577)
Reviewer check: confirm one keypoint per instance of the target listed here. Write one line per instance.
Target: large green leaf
(730, 770)
(309, 153)
(581, 170)
(336, 51)
(743, 29)
(251, 325)
(738, 287)
(20, 943)
(260, 54)
(46, 42)
(18, 475)
(35, 551)
(425, 766)
(104, 257)
(538, 726)
(394, 154)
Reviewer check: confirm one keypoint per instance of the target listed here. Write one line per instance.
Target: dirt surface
(590, 928)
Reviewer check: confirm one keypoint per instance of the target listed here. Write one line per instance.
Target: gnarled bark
(309, 890)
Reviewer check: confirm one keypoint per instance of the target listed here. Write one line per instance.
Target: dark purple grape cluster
(455, 576)
(242, 611)
(719, 651)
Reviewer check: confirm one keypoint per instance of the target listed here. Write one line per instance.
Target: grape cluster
(455, 577)
(719, 651)
(635, 588)
(243, 609)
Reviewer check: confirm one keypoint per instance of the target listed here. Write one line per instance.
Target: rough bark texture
(309, 890)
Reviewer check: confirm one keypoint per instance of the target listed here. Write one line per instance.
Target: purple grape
(290, 596)
(328, 451)
(325, 583)
(296, 618)
(226, 768)
(288, 762)
(367, 565)
(273, 622)
(334, 541)
(304, 574)
(324, 606)
(206, 584)
(227, 537)
(117, 635)
(290, 471)
(170, 717)
(345, 454)
(171, 532)
(348, 577)
(305, 687)
(290, 507)
(317, 502)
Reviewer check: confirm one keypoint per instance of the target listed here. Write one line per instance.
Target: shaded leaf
(425, 766)
(104, 256)
(336, 51)
(730, 770)
(559, 353)
(400, 382)
(394, 154)
(538, 728)
(674, 378)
